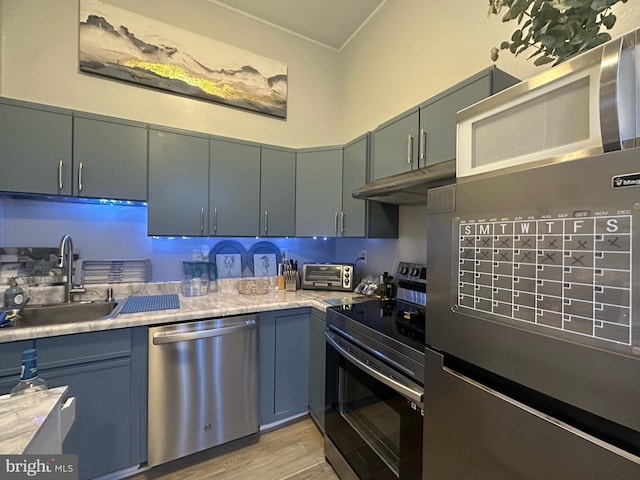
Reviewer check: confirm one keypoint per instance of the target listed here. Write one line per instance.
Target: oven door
(374, 417)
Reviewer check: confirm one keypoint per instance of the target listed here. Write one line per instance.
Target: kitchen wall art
(123, 45)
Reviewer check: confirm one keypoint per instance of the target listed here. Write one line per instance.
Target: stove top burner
(396, 319)
(402, 319)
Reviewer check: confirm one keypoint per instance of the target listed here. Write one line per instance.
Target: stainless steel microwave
(586, 106)
(327, 276)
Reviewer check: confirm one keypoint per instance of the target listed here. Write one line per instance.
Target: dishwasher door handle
(161, 338)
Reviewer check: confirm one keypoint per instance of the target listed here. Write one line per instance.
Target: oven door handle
(409, 393)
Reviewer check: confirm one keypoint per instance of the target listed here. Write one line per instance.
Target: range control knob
(414, 272)
(404, 270)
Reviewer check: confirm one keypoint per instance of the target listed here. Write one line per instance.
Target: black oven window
(373, 412)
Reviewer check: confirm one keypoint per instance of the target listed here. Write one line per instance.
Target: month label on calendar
(567, 272)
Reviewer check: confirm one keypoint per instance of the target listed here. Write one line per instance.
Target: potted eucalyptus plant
(554, 30)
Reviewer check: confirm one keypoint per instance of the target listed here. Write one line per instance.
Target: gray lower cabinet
(426, 135)
(106, 373)
(277, 192)
(318, 191)
(363, 218)
(234, 188)
(35, 148)
(109, 158)
(283, 364)
(10, 362)
(317, 355)
(178, 183)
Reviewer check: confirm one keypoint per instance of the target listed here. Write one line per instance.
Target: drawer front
(83, 347)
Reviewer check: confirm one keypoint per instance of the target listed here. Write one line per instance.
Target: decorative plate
(262, 248)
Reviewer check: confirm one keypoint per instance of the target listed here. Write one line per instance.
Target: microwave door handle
(609, 87)
(409, 393)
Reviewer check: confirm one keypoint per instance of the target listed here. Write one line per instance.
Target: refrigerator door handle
(532, 411)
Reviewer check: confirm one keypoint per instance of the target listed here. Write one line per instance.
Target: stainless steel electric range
(374, 383)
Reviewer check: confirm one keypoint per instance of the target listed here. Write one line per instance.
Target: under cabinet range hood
(408, 188)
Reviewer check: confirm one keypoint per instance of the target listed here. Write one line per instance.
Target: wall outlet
(363, 256)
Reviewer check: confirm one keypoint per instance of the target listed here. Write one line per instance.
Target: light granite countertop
(224, 302)
(22, 416)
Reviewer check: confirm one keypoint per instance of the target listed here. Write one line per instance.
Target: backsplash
(33, 266)
(115, 232)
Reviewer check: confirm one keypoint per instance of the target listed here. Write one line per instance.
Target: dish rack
(115, 271)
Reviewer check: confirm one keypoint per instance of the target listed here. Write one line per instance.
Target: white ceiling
(331, 23)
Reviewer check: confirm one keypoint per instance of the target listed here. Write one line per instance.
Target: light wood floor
(291, 452)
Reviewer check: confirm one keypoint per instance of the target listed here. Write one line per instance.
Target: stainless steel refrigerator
(533, 323)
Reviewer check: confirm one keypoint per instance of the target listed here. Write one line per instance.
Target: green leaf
(609, 21)
(543, 60)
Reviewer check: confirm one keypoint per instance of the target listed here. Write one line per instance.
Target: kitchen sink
(57, 314)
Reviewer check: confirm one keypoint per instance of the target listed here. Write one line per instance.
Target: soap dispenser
(14, 295)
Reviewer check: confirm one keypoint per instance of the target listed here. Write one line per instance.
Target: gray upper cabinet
(354, 175)
(178, 183)
(395, 145)
(35, 148)
(363, 218)
(318, 191)
(426, 135)
(234, 188)
(277, 192)
(438, 114)
(109, 158)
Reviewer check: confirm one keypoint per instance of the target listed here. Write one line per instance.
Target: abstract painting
(123, 45)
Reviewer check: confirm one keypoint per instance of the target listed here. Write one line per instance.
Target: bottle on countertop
(29, 379)
(14, 295)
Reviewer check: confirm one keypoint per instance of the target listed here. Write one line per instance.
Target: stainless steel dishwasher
(203, 385)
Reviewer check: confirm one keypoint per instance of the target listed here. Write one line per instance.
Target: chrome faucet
(66, 249)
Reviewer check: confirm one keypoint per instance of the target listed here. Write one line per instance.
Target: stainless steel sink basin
(57, 314)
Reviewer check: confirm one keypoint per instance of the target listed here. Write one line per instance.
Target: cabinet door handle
(266, 221)
(202, 220)
(335, 224)
(342, 222)
(423, 145)
(60, 185)
(409, 149)
(215, 220)
(80, 167)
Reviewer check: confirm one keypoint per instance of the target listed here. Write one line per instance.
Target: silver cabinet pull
(342, 222)
(202, 220)
(335, 224)
(215, 220)
(409, 149)
(80, 167)
(266, 221)
(423, 145)
(60, 185)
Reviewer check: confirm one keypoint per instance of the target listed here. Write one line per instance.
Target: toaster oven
(327, 276)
